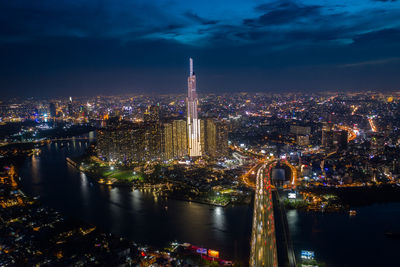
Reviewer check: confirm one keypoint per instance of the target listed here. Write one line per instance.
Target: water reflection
(219, 218)
(84, 188)
(292, 217)
(132, 213)
(35, 171)
(115, 212)
(136, 196)
(91, 136)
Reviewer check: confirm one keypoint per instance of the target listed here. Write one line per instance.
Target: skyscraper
(174, 139)
(52, 110)
(193, 123)
(70, 109)
(215, 134)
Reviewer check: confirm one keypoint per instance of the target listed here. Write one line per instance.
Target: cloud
(389, 36)
(83, 19)
(283, 13)
(199, 19)
(373, 62)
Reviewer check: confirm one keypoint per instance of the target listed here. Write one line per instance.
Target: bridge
(47, 140)
(270, 239)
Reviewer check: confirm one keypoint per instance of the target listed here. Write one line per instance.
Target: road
(263, 240)
(246, 177)
(352, 132)
(372, 124)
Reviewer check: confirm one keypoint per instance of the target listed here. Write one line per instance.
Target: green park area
(217, 198)
(122, 175)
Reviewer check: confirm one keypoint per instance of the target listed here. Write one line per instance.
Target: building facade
(126, 142)
(174, 139)
(215, 134)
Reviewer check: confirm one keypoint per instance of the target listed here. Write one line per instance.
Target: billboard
(202, 251)
(213, 253)
(307, 255)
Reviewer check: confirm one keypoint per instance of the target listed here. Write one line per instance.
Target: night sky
(87, 47)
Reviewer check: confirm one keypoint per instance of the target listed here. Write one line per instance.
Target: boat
(352, 212)
(392, 234)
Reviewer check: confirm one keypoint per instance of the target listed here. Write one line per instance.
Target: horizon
(203, 94)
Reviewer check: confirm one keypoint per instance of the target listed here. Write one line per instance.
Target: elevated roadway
(263, 242)
(270, 240)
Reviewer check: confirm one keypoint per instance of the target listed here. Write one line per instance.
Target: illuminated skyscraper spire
(193, 123)
(191, 66)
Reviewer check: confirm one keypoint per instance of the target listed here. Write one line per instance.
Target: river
(136, 215)
(337, 239)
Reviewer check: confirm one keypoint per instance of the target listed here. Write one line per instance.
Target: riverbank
(341, 199)
(53, 238)
(361, 195)
(162, 187)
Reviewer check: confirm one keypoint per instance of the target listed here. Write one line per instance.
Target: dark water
(136, 215)
(341, 240)
(337, 239)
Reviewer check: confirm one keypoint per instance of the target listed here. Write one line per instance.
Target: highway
(263, 241)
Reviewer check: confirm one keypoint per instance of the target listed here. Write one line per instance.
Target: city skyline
(268, 46)
(299, 156)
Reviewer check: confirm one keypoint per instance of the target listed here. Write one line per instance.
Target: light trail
(355, 108)
(245, 177)
(294, 173)
(263, 241)
(352, 132)
(372, 124)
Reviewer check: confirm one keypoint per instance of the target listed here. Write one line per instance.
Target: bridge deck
(285, 250)
(270, 238)
(263, 242)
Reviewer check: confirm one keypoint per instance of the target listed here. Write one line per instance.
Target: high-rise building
(300, 129)
(179, 136)
(210, 134)
(126, 142)
(167, 141)
(193, 122)
(340, 139)
(121, 142)
(70, 109)
(52, 110)
(222, 128)
(334, 139)
(327, 135)
(152, 139)
(215, 135)
(377, 143)
(302, 140)
(174, 139)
